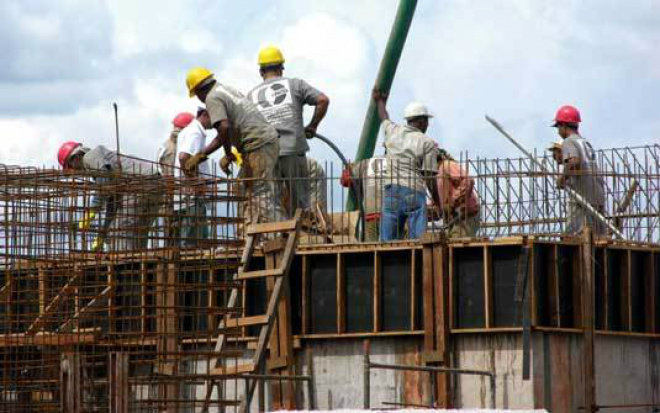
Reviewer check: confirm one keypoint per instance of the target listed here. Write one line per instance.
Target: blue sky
(65, 62)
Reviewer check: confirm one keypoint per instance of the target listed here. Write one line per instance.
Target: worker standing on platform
(191, 211)
(132, 212)
(411, 164)
(458, 200)
(239, 123)
(281, 100)
(167, 152)
(580, 173)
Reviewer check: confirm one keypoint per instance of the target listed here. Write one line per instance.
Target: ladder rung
(259, 274)
(269, 227)
(246, 321)
(233, 370)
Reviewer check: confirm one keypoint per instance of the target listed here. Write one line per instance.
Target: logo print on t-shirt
(275, 94)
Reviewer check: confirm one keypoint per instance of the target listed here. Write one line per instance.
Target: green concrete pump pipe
(388, 66)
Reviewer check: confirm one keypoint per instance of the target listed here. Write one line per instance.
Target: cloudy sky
(64, 62)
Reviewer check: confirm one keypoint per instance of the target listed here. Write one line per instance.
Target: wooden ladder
(277, 278)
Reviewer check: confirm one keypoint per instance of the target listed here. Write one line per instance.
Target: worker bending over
(281, 100)
(167, 152)
(411, 164)
(239, 123)
(580, 173)
(457, 198)
(133, 213)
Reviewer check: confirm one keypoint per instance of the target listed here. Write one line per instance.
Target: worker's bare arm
(321, 108)
(381, 102)
(223, 139)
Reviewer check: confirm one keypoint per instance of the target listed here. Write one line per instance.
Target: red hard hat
(183, 119)
(65, 152)
(567, 114)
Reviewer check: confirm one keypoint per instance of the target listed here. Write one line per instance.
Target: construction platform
(520, 316)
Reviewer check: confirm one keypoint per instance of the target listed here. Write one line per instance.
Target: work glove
(87, 220)
(97, 244)
(237, 155)
(195, 160)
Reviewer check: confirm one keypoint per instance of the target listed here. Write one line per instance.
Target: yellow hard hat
(270, 56)
(195, 77)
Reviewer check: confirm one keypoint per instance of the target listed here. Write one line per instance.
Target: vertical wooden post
(488, 287)
(70, 383)
(588, 305)
(281, 341)
(167, 332)
(377, 295)
(118, 383)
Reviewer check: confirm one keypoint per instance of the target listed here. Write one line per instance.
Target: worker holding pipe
(411, 166)
(239, 123)
(281, 100)
(580, 172)
(132, 213)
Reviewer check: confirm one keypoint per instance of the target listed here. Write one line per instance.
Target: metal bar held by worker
(571, 193)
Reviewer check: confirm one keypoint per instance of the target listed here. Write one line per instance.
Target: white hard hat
(416, 109)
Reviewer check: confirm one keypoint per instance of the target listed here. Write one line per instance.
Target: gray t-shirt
(409, 153)
(254, 131)
(281, 101)
(586, 182)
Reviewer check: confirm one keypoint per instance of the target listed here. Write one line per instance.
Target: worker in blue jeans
(411, 164)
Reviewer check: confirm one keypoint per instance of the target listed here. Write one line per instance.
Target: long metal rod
(571, 193)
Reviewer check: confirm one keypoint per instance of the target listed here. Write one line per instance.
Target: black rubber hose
(354, 188)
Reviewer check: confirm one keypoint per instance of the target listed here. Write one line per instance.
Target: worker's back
(103, 159)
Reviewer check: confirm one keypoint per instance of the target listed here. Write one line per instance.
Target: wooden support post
(281, 341)
(118, 383)
(588, 305)
(305, 295)
(70, 383)
(167, 344)
(377, 294)
(488, 287)
(650, 280)
(341, 295)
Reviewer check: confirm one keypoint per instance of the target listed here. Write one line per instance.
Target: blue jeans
(401, 204)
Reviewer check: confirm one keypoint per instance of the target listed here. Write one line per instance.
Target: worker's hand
(194, 161)
(378, 95)
(561, 181)
(346, 179)
(310, 131)
(87, 220)
(225, 164)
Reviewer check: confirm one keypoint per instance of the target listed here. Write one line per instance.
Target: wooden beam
(377, 293)
(488, 287)
(305, 295)
(587, 274)
(428, 303)
(341, 295)
(119, 390)
(71, 383)
(413, 288)
(439, 254)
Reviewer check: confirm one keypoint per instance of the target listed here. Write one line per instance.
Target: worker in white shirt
(191, 214)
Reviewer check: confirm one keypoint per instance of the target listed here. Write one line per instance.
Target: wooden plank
(413, 288)
(441, 324)
(341, 296)
(450, 290)
(577, 265)
(270, 227)
(71, 383)
(652, 299)
(429, 308)
(625, 273)
(377, 292)
(556, 308)
(233, 370)
(587, 275)
(119, 390)
(270, 272)
(488, 287)
(42, 280)
(305, 295)
(246, 321)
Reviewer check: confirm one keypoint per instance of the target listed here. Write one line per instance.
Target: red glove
(345, 180)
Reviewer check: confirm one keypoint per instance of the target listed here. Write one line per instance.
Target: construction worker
(239, 123)
(580, 173)
(133, 213)
(457, 198)
(167, 152)
(281, 100)
(369, 175)
(190, 215)
(411, 164)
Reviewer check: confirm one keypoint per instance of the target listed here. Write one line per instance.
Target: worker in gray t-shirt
(281, 100)
(580, 173)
